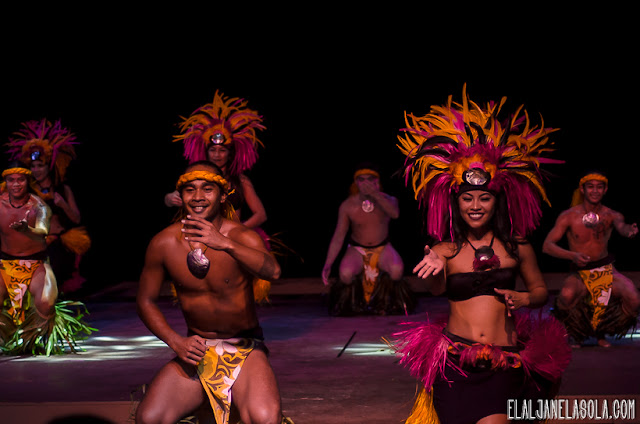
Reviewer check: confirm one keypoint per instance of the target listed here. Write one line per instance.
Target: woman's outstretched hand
(431, 264)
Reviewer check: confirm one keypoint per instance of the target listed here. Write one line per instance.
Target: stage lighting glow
(367, 349)
(106, 348)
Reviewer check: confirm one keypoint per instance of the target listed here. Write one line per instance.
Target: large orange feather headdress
(226, 121)
(46, 141)
(465, 146)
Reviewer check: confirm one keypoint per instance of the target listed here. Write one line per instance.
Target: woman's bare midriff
(482, 319)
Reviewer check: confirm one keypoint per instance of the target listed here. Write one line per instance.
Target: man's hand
(368, 188)
(580, 259)
(191, 349)
(326, 270)
(199, 230)
(21, 225)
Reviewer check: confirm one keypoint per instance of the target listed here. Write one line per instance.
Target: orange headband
(365, 171)
(15, 171)
(597, 177)
(203, 175)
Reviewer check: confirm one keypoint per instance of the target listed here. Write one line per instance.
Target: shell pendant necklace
(368, 206)
(590, 219)
(485, 257)
(197, 262)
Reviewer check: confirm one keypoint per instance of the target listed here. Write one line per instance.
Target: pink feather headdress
(225, 121)
(457, 145)
(46, 141)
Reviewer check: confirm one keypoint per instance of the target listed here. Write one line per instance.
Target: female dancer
(480, 179)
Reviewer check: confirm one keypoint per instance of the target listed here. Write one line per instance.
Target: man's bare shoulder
(231, 228)
(571, 214)
(353, 199)
(351, 203)
(388, 196)
(238, 232)
(605, 210)
(37, 201)
(167, 237)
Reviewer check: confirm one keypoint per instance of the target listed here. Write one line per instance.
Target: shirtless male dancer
(365, 217)
(24, 225)
(595, 298)
(222, 353)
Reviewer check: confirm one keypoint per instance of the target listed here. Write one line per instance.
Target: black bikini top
(465, 285)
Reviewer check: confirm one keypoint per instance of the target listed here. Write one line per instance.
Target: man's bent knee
(570, 295)
(147, 416)
(631, 303)
(396, 272)
(158, 415)
(347, 275)
(567, 298)
(263, 414)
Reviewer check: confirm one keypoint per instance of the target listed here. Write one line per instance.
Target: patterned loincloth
(219, 369)
(370, 257)
(17, 275)
(598, 282)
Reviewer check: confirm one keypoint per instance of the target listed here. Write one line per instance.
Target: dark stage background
(327, 103)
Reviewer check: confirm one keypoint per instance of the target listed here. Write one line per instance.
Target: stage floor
(364, 384)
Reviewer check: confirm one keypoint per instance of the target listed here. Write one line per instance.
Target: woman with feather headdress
(478, 180)
(225, 133)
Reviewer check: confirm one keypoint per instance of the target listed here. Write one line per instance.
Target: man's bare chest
(223, 271)
(598, 231)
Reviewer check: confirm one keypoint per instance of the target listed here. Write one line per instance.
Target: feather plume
(231, 117)
(547, 350)
(440, 146)
(44, 140)
(423, 350)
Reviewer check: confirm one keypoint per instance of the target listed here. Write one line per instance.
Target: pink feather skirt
(543, 349)
(458, 367)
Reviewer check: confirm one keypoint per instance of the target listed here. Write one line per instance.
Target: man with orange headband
(24, 225)
(366, 214)
(212, 261)
(32, 320)
(595, 299)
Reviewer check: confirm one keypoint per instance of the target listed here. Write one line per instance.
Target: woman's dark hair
(499, 224)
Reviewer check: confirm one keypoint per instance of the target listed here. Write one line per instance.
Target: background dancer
(32, 321)
(47, 149)
(371, 271)
(595, 298)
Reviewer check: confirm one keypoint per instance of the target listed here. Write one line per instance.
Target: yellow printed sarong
(17, 275)
(598, 282)
(219, 369)
(370, 256)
